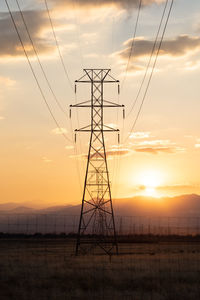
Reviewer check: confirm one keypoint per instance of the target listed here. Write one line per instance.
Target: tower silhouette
(97, 223)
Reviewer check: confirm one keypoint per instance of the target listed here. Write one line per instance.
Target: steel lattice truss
(97, 218)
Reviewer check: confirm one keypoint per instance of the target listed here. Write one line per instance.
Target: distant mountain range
(137, 215)
(184, 205)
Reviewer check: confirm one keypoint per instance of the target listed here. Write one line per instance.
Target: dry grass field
(47, 269)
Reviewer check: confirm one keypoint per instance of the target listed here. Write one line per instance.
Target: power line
(34, 74)
(75, 5)
(38, 58)
(150, 59)
(149, 81)
(133, 41)
(57, 44)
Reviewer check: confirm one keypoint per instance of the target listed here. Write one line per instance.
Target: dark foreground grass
(46, 269)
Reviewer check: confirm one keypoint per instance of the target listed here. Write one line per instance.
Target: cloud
(116, 152)
(176, 47)
(69, 147)
(46, 160)
(155, 150)
(58, 131)
(85, 4)
(154, 143)
(150, 147)
(141, 145)
(39, 26)
(197, 144)
(140, 135)
(6, 81)
(157, 146)
(109, 153)
(178, 187)
(37, 22)
(192, 65)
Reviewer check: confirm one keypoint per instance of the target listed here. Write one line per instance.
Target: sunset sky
(161, 157)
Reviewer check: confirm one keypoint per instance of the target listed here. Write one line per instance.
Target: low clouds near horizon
(178, 188)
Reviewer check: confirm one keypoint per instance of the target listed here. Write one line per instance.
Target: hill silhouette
(183, 205)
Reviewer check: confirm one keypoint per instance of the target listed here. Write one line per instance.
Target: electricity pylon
(97, 223)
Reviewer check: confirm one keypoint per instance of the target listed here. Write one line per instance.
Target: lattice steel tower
(97, 223)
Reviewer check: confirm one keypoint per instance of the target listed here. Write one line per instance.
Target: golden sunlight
(150, 180)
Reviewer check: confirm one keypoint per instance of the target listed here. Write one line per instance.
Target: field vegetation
(46, 268)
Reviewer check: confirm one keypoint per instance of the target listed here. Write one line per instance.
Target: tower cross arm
(97, 75)
(104, 104)
(96, 81)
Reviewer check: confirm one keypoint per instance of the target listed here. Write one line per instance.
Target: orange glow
(150, 180)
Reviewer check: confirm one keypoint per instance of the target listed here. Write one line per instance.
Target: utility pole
(97, 223)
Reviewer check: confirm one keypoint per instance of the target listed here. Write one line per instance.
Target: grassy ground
(46, 269)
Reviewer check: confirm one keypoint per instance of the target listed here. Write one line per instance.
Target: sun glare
(150, 180)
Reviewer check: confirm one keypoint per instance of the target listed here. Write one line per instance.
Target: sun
(150, 180)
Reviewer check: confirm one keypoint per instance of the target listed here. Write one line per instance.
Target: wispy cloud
(179, 188)
(109, 153)
(140, 135)
(125, 4)
(69, 147)
(154, 143)
(46, 160)
(114, 152)
(143, 143)
(197, 144)
(156, 147)
(118, 152)
(58, 131)
(6, 81)
(155, 150)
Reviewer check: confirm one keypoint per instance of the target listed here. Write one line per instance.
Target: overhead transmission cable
(152, 71)
(57, 45)
(133, 42)
(34, 74)
(131, 53)
(38, 58)
(79, 166)
(150, 59)
(66, 74)
(79, 42)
